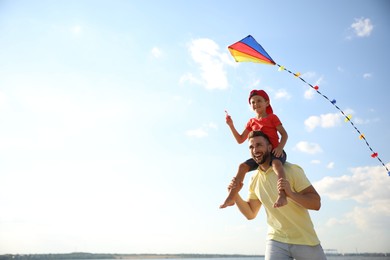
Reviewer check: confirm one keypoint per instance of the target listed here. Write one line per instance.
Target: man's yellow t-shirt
(291, 223)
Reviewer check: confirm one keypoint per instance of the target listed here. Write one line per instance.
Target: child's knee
(277, 163)
(244, 167)
(276, 160)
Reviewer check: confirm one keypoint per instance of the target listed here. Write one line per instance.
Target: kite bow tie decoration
(249, 50)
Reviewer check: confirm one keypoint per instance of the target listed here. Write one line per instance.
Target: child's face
(259, 104)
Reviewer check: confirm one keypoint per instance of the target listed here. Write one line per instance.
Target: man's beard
(262, 159)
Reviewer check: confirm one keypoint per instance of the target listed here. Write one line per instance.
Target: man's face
(260, 149)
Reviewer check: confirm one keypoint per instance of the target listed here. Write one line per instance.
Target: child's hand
(229, 120)
(278, 151)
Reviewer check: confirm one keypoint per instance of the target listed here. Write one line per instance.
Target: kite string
(229, 99)
(230, 96)
(347, 118)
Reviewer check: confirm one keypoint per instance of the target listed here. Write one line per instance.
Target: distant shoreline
(117, 256)
(80, 255)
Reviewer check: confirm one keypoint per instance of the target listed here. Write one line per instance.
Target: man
(291, 233)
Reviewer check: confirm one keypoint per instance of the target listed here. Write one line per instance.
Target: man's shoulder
(296, 175)
(292, 166)
(293, 169)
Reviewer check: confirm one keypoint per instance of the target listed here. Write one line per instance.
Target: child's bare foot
(228, 202)
(280, 202)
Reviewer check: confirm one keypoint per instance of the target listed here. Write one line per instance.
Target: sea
(329, 257)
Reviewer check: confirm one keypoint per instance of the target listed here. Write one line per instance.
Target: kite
(249, 50)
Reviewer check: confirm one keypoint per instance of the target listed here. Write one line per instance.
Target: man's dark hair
(258, 133)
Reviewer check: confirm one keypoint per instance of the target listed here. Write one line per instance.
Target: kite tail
(347, 117)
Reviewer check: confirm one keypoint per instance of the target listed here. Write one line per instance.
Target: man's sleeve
(251, 193)
(298, 177)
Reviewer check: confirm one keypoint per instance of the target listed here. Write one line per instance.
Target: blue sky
(112, 129)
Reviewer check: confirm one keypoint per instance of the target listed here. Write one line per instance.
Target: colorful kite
(249, 50)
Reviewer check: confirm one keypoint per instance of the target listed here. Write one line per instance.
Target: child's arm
(240, 138)
(283, 140)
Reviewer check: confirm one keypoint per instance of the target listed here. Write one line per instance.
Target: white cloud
(203, 131)
(362, 27)
(156, 52)
(211, 61)
(369, 187)
(306, 147)
(365, 185)
(185, 101)
(309, 74)
(3, 100)
(312, 122)
(198, 133)
(309, 93)
(361, 121)
(189, 78)
(76, 29)
(315, 161)
(255, 83)
(325, 121)
(367, 75)
(212, 125)
(22, 143)
(282, 94)
(336, 221)
(330, 165)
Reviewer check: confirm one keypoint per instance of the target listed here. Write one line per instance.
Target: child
(270, 124)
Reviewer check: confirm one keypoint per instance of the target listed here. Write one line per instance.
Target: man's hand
(283, 184)
(230, 200)
(234, 185)
(307, 198)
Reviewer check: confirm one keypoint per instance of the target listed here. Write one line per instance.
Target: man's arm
(248, 208)
(307, 198)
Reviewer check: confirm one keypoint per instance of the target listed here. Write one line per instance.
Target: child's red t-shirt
(268, 126)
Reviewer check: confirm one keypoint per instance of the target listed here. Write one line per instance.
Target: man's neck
(265, 166)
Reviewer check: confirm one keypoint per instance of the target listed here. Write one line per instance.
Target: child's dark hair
(258, 133)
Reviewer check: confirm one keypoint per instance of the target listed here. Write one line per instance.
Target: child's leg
(279, 170)
(242, 170)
